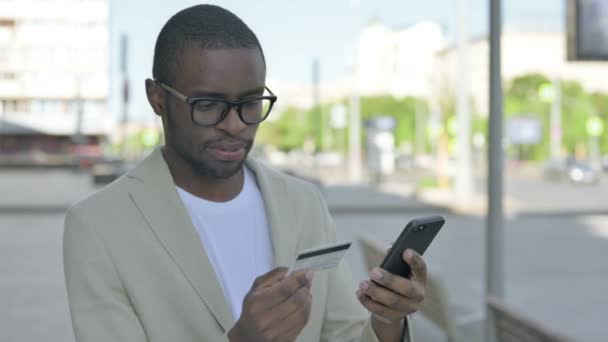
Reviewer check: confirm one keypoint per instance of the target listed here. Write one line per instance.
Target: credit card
(320, 258)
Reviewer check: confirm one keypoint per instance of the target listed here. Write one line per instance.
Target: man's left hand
(396, 298)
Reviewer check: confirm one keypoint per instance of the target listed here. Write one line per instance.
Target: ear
(156, 97)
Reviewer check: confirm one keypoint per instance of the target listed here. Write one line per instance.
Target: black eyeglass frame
(191, 101)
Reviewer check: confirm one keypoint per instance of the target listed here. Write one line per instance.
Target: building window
(10, 106)
(24, 106)
(7, 76)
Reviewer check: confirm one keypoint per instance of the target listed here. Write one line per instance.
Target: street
(556, 269)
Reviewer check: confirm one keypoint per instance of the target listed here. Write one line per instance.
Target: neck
(211, 189)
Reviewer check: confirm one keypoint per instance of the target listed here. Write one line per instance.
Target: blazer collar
(157, 199)
(279, 212)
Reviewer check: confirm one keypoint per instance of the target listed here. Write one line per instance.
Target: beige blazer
(136, 270)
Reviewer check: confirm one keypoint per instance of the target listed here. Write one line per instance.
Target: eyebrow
(245, 94)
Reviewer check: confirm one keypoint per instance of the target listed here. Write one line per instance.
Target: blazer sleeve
(345, 318)
(99, 305)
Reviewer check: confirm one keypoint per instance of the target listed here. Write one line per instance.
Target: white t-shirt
(235, 236)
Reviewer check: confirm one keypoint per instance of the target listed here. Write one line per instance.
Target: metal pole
(317, 106)
(354, 134)
(2, 126)
(79, 138)
(596, 159)
(420, 125)
(556, 121)
(494, 235)
(464, 176)
(124, 46)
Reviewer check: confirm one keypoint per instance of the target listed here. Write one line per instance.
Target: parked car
(571, 170)
(582, 173)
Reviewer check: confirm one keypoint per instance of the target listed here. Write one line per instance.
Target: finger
(294, 303)
(388, 249)
(389, 298)
(379, 309)
(402, 286)
(416, 263)
(382, 319)
(271, 319)
(281, 291)
(293, 322)
(270, 278)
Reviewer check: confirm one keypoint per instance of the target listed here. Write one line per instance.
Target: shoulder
(103, 196)
(105, 203)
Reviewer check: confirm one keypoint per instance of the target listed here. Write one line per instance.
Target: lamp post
(354, 133)
(464, 175)
(495, 218)
(551, 93)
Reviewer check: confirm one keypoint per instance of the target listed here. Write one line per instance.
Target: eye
(206, 105)
(252, 103)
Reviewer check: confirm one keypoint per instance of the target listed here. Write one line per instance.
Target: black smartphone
(416, 235)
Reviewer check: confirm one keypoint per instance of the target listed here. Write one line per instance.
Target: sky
(295, 32)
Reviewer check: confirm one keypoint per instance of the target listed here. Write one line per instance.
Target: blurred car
(571, 170)
(107, 171)
(582, 173)
(605, 163)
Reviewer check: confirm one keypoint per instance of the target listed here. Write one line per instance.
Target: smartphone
(417, 235)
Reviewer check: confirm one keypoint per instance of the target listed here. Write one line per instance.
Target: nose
(232, 123)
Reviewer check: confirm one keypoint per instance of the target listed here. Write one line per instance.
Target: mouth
(228, 152)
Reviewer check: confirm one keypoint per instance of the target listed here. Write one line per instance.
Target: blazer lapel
(156, 197)
(279, 212)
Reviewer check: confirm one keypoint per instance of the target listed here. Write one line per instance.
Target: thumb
(270, 278)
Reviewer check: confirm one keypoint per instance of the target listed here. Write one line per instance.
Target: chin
(209, 167)
(219, 169)
(216, 169)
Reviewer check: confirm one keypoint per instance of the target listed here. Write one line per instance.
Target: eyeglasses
(209, 111)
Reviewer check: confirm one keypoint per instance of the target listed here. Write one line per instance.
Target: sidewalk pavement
(535, 283)
(42, 190)
(49, 191)
(367, 199)
(533, 278)
(53, 191)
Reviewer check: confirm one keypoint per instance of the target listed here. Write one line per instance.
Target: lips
(228, 151)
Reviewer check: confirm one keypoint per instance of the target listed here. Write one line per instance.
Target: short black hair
(207, 26)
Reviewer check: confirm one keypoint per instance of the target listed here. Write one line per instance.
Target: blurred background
(382, 104)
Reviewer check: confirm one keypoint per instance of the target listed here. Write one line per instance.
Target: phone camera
(421, 228)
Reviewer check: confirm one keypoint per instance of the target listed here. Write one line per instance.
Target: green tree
(600, 103)
(576, 110)
(402, 109)
(522, 99)
(287, 132)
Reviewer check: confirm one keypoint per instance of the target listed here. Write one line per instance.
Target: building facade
(54, 68)
(398, 62)
(523, 52)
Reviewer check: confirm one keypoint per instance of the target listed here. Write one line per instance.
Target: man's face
(218, 151)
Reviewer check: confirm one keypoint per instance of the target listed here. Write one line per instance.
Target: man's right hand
(276, 308)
